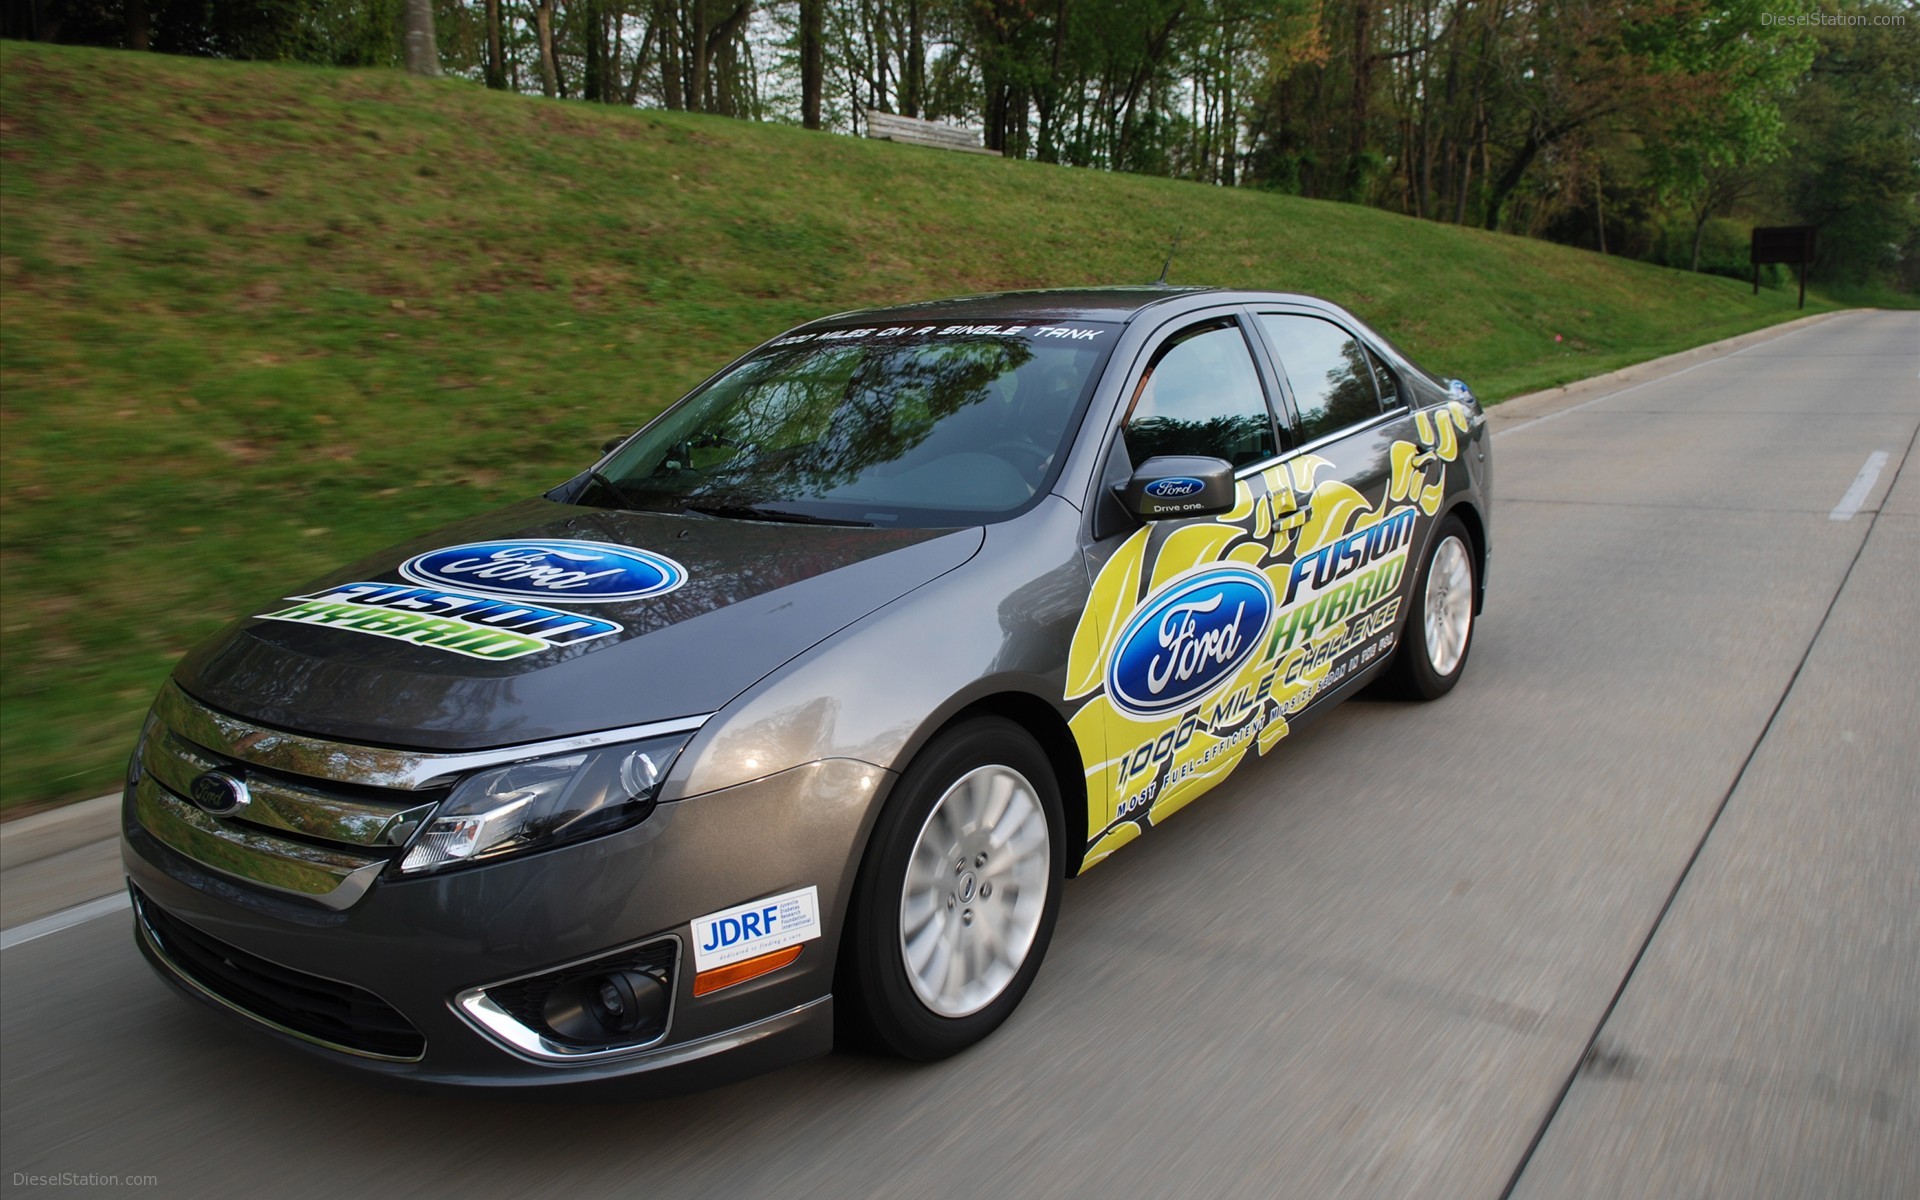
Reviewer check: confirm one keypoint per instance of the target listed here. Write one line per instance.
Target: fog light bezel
(487, 1016)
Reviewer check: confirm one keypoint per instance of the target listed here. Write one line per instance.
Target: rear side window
(1390, 394)
(1328, 371)
(1201, 395)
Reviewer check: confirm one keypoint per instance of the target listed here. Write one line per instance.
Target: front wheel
(957, 895)
(1439, 628)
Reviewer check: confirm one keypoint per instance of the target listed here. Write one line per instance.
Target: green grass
(259, 320)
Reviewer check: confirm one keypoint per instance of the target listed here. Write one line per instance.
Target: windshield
(928, 425)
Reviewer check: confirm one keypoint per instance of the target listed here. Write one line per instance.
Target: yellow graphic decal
(1216, 632)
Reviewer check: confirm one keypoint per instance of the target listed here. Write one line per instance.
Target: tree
(812, 61)
(1853, 166)
(496, 48)
(423, 52)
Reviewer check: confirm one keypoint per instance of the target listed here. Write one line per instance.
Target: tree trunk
(642, 51)
(1600, 208)
(496, 48)
(139, 28)
(666, 19)
(812, 61)
(1510, 179)
(697, 88)
(543, 30)
(593, 80)
(423, 52)
(915, 94)
(1362, 100)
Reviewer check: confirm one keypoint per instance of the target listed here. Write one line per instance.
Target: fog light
(600, 1008)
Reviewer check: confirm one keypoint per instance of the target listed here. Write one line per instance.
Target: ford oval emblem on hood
(1171, 488)
(577, 572)
(1186, 640)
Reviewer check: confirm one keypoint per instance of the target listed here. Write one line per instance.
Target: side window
(1201, 395)
(1332, 385)
(1390, 397)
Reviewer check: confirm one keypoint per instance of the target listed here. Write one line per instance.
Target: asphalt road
(1635, 911)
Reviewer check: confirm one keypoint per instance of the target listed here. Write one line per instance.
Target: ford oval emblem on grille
(1173, 487)
(220, 794)
(553, 569)
(1183, 642)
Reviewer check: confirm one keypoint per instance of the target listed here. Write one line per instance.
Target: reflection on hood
(374, 654)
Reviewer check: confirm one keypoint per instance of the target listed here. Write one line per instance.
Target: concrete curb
(56, 831)
(1533, 405)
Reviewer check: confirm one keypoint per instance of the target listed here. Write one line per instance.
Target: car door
(1354, 520)
(1163, 666)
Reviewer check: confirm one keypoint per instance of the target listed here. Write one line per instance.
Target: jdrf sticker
(750, 930)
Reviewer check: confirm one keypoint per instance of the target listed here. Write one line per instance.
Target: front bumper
(417, 943)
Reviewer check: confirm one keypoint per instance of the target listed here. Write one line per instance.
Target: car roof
(1056, 304)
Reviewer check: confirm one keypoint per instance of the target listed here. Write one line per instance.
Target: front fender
(879, 688)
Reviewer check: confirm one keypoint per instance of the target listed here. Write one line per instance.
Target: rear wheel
(1438, 630)
(957, 894)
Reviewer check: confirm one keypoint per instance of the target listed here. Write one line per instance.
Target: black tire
(1413, 674)
(876, 1000)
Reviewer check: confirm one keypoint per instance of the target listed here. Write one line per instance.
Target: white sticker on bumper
(750, 930)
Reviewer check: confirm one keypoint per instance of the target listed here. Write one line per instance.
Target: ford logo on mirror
(1173, 488)
(548, 569)
(1196, 632)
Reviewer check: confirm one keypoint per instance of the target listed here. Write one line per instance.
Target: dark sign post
(1783, 244)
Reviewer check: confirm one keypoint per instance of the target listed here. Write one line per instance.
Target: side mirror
(1178, 485)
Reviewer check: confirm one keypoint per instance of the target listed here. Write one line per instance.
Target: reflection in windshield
(913, 430)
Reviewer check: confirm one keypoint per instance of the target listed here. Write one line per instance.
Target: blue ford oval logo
(1174, 487)
(548, 569)
(1196, 632)
(220, 794)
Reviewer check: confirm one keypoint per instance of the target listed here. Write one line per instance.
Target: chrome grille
(285, 804)
(322, 839)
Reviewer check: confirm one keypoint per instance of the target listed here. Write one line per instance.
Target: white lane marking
(79, 914)
(1862, 484)
(1574, 408)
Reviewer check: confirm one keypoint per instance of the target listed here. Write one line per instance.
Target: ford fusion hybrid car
(793, 713)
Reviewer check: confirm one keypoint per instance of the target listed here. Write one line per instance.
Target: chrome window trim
(479, 1010)
(374, 766)
(1319, 442)
(155, 945)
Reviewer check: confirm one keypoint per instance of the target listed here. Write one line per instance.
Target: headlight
(546, 802)
(136, 762)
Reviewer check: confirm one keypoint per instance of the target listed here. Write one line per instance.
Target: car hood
(751, 596)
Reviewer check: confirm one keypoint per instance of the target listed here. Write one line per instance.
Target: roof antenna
(1168, 265)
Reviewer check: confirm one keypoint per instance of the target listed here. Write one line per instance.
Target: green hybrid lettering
(438, 632)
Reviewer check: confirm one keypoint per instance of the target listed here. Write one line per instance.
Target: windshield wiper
(619, 493)
(757, 512)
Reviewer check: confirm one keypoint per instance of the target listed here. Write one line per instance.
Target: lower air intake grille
(321, 1010)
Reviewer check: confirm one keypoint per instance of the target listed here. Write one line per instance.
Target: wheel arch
(1477, 532)
(1048, 728)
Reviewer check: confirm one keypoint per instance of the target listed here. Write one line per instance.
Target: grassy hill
(257, 320)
